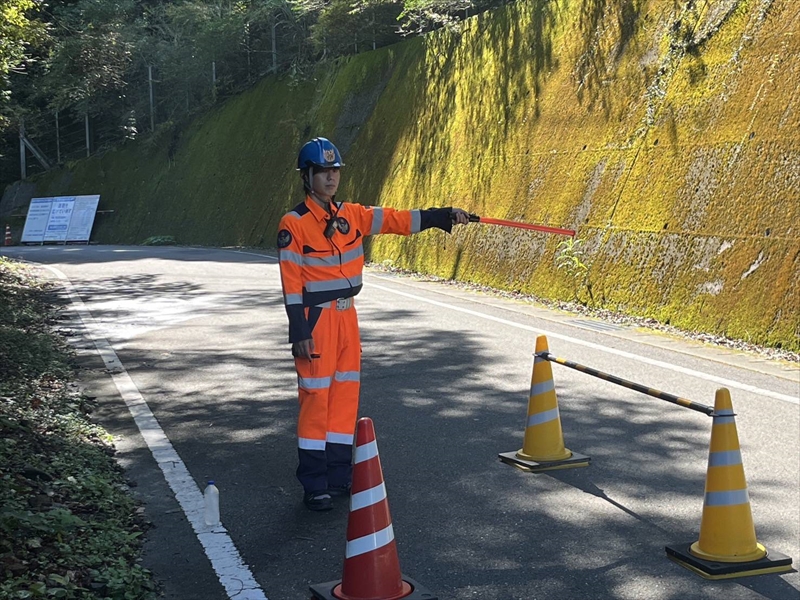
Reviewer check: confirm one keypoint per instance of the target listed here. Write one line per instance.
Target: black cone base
(324, 591)
(574, 461)
(773, 562)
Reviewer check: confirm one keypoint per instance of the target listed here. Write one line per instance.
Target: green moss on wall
(665, 133)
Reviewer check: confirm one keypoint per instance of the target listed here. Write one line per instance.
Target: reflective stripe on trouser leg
(314, 378)
(343, 400)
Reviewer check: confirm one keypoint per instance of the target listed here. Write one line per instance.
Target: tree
(91, 54)
(347, 26)
(21, 32)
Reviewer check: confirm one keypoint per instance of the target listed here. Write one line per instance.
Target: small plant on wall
(570, 259)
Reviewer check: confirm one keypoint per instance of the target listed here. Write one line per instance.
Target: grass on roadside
(68, 527)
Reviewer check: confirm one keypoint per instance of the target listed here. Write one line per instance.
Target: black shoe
(339, 491)
(318, 501)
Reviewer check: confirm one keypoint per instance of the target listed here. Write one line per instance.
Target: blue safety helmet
(320, 153)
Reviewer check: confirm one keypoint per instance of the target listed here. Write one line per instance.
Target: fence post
(213, 81)
(86, 126)
(22, 166)
(152, 110)
(274, 49)
(58, 142)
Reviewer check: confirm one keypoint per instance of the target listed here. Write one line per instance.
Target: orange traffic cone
(727, 547)
(543, 445)
(9, 241)
(371, 566)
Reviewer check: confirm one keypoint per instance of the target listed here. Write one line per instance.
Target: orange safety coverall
(320, 276)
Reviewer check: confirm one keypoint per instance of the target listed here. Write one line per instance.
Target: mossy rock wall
(667, 133)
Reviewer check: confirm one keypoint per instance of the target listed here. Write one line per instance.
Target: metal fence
(48, 139)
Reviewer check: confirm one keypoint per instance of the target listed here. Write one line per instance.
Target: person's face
(325, 182)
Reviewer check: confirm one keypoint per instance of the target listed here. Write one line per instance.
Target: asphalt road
(196, 338)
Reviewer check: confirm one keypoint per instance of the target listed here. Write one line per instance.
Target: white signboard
(36, 221)
(60, 215)
(80, 225)
(61, 219)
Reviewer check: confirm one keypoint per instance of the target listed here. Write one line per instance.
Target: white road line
(233, 574)
(656, 363)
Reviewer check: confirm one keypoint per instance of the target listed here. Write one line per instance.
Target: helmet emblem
(329, 154)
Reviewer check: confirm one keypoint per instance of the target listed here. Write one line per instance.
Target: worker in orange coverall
(321, 263)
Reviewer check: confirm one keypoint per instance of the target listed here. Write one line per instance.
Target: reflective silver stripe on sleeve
(541, 388)
(543, 417)
(370, 542)
(314, 383)
(294, 214)
(365, 452)
(377, 221)
(731, 498)
(293, 299)
(289, 256)
(725, 458)
(347, 376)
(333, 261)
(416, 221)
(352, 254)
(322, 261)
(340, 438)
(309, 444)
(330, 285)
(368, 497)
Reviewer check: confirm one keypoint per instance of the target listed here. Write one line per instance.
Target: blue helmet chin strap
(308, 179)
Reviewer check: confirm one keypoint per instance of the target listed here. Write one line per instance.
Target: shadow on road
(466, 525)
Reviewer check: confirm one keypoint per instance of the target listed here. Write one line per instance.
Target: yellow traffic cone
(727, 546)
(543, 445)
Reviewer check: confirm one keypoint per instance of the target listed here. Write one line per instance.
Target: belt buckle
(343, 303)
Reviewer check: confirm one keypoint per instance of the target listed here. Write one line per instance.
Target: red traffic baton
(489, 221)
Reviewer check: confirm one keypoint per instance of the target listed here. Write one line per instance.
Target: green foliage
(90, 65)
(18, 30)
(21, 32)
(68, 528)
(569, 258)
(350, 26)
(159, 240)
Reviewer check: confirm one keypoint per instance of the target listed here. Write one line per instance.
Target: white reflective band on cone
(368, 497)
(365, 452)
(368, 543)
(543, 417)
(725, 458)
(541, 388)
(731, 498)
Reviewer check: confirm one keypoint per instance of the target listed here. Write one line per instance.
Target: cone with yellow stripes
(543, 444)
(727, 546)
(371, 566)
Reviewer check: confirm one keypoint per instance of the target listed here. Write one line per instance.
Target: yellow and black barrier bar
(707, 410)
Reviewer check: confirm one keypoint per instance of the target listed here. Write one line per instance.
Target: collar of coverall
(319, 213)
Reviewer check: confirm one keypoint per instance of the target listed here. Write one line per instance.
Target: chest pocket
(355, 239)
(319, 258)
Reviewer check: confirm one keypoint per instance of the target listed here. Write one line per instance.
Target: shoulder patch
(284, 238)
